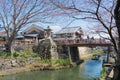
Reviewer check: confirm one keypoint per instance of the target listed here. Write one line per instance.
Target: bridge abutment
(74, 53)
(83, 50)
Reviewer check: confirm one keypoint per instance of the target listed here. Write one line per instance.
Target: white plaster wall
(83, 50)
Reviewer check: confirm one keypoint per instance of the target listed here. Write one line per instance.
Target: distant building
(2, 32)
(30, 35)
(2, 36)
(69, 32)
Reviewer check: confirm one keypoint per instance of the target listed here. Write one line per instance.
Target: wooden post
(108, 52)
(36, 40)
(69, 55)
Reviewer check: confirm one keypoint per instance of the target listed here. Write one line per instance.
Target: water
(89, 70)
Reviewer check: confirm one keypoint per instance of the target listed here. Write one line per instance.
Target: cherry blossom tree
(104, 14)
(117, 21)
(16, 14)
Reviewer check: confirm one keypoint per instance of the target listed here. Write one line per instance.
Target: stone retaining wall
(11, 63)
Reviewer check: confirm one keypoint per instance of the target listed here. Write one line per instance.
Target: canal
(89, 70)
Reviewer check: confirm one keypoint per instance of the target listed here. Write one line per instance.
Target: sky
(57, 26)
(62, 22)
(59, 22)
(56, 23)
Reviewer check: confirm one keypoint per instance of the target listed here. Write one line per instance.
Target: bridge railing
(82, 41)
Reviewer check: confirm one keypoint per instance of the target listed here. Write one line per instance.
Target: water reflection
(93, 69)
(86, 71)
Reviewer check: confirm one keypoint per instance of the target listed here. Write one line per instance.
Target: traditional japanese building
(68, 35)
(70, 32)
(2, 36)
(30, 35)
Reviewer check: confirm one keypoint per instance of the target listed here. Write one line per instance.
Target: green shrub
(98, 51)
(43, 49)
(1, 54)
(15, 55)
(19, 48)
(35, 48)
(45, 60)
(25, 55)
(34, 55)
(103, 71)
(62, 62)
(8, 55)
(103, 74)
(29, 50)
(24, 63)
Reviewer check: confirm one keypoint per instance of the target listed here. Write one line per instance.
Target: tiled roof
(68, 30)
(3, 35)
(31, 35)
(19, 36)
(22, 30)
(33, 25)
(2, 31)
(1, 28)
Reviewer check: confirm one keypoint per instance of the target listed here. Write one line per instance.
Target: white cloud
(55, 28)
(95, 35)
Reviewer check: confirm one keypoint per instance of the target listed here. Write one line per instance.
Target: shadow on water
(89, 70)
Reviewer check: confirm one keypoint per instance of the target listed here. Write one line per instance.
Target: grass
(45, 61)
(15, 55)
(62, 62)
(59, 62)
(8, 55)
(97, 51)
(25, 55)
(86, 56)
(89, 55)
(35, 55)
(103, 74)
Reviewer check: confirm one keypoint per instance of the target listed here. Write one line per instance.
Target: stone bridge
(83, 42)
(76, 47)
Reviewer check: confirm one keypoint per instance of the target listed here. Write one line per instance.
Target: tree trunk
(117, 21)
(9, 45)
(108, 54)
(116, 74)
(117, 70)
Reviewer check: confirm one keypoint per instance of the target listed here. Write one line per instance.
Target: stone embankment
(14, 66)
